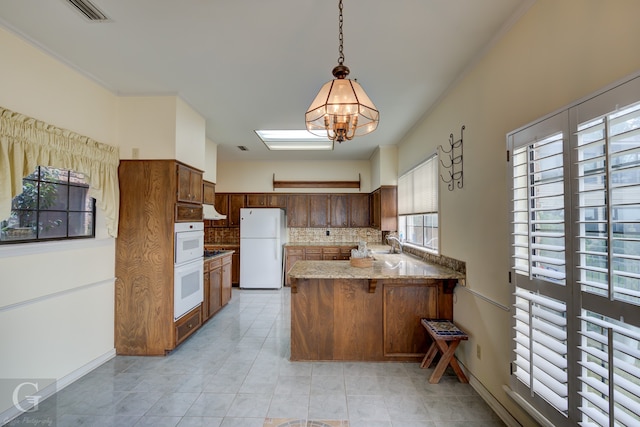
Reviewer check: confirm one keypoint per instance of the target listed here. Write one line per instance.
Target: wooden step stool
(443, 332)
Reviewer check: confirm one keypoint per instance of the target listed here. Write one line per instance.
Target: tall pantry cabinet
(154, 195)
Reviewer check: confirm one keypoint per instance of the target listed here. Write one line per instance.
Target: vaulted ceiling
(258, 64)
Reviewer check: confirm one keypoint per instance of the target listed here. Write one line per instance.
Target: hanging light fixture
(342, 109)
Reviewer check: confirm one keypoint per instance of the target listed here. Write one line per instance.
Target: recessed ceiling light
(294, 140)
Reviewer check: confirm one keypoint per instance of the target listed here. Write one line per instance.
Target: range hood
(210, 212)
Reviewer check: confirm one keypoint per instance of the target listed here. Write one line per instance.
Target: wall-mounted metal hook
(454, 156)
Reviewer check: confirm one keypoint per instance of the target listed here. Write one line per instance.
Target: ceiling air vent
(242, 148)
(89, 10)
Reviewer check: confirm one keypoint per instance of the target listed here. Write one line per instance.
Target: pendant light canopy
(342, 109)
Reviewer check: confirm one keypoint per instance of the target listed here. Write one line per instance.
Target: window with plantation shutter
(575, 261)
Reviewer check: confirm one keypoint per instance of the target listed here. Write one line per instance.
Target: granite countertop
(217, 254)
(385, 266)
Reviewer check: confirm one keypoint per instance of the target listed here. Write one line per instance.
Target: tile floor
(235, 372)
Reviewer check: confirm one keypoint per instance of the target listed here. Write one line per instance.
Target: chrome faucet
(394, 239)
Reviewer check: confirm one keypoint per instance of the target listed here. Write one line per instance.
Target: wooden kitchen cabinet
(318, 210)
(208, 193)
(189, 184)
(188, 213)
(404, 305)
(236, 202)
(297, 210)
(144, 265)
(277, 201)
(256, 200)
(384, 208)
(213, 286)
(225, 275)
(331, 254)
(217, 280)
(339, 206)
(291, 255)
(222, 206)
(359, 210)
(313, 253)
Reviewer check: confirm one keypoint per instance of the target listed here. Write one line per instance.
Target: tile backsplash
(220, 235)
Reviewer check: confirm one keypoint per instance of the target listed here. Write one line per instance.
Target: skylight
(293, 140)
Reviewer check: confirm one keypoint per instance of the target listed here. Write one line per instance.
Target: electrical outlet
(328, 232)
(478, 351)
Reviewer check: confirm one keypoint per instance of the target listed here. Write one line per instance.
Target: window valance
(26, 143)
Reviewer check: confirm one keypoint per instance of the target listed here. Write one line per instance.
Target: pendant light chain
(341, 37)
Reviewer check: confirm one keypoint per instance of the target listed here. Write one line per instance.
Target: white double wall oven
(188, 267)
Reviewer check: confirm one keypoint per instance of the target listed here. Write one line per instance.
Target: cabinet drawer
(186, 213)
(313, 254)
(329, 254)
(214, 263)
(188, 324)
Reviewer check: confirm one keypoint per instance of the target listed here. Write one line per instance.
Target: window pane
(45, 206)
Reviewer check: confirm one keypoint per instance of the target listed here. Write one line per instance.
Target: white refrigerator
(263, 234)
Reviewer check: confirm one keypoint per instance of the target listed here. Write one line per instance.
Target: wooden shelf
(316, 184)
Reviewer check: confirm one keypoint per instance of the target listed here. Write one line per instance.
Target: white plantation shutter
(610, 372)
(575, 261)
(541, 337)
(538, 209)
(608, 150)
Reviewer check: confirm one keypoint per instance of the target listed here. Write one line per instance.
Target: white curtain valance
(26, 143)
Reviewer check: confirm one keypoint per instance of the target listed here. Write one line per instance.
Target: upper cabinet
(384, 208)
(189, 184)
(208, 193)
(359, 210)
(318, 210)
(256, 200)
(236, 202)
(339, 206)
(297, 210)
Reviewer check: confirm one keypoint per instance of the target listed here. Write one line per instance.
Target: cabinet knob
(189, 326)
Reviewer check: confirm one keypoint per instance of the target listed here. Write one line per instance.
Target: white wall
(258, 176)
(384, 166)
(210, 161)
(190, 136)
(559, 52)
(147, 124)
(56, 299)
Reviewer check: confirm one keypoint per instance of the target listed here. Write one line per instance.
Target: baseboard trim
(493, 403)
(527, 407)
(13, 412)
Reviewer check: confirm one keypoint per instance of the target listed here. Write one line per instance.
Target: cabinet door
(256, 200)
(188, 212)
(291, 256)
(189, 185)
(297, 210)
(318, 210)
(207, 292)
(236, 202)
(215, 290)
(404, 306)
(235, 268)
(359, 210)
(375, 209)
(313, 254)
(331, 254)
(389, 208)
(222, 205)
(277, 201)
(208, 193)
(339, 210)
(226, 281)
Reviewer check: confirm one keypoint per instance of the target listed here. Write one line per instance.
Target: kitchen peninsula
(341, 312)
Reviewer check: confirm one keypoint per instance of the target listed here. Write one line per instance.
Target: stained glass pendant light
(342, 109)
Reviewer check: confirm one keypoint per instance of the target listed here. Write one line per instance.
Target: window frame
(37, 178)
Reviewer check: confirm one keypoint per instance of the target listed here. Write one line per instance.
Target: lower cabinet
(217, 284)
(313, 253)
(188, 324)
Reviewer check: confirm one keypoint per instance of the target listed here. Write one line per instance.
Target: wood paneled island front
(340, 312)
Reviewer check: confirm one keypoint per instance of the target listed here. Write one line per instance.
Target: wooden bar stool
(446, 336)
